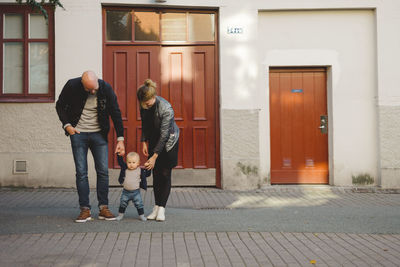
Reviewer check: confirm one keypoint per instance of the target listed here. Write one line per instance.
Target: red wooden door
(299, 140)
(185, 77)
(126, 68)
(187, 81)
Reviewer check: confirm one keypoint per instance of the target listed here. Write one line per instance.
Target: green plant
(363, 179)
(39, 4)
(247, 169)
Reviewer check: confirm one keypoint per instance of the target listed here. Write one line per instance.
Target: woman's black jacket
(163, 124)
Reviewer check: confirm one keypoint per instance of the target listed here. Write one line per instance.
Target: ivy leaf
(39, 4)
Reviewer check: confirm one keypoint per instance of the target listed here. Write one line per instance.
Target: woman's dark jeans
(81, 143)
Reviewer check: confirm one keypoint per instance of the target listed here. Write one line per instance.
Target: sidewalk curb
(262, 189)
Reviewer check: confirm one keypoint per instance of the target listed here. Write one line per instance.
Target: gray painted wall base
(180, 177)
(390, 178)
(240, 158)
(58, 170)
(389, 125)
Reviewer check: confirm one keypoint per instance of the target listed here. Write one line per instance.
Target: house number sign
(234, 30)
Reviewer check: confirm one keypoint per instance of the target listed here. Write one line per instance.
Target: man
(84, 107)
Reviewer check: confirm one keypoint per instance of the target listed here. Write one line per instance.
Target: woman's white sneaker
(153, 214)
(161, 214)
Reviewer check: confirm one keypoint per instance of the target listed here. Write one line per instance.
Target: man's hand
(145, 150)
(120, 149)
(71, 130)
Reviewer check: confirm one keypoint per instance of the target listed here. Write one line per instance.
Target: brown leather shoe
(84, 216)
(105, 214)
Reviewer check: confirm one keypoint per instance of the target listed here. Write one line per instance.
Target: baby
(132, 177)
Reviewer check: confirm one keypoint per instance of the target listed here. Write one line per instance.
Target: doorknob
(323, 124)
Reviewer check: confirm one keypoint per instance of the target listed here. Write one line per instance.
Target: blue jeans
(135, 197)
(81, 143)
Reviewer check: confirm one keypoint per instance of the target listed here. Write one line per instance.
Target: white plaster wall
(345, 41)
(388, 21)
(78, 40)
(243, 76)
(238, 59)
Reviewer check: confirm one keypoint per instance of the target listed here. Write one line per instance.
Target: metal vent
(20, 166)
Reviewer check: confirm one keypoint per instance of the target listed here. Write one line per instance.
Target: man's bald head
(90, 82)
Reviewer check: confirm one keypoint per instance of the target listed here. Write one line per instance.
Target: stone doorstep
(328, 188)
(376, 190)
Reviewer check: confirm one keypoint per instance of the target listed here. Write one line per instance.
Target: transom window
(159, 26)
(26, 54)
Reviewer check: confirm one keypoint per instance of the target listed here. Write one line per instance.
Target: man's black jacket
(72, 100)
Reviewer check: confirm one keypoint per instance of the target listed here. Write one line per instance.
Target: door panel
(299, 150)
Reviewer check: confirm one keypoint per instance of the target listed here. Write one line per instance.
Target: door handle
(323, 124)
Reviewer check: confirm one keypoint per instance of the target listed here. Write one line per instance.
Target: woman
(161, 133)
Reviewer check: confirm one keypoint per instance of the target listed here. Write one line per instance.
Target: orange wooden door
(185, 77)
(298, 117)
(126, 68)
(188, 82)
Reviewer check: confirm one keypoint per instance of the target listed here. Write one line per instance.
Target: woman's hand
(151, 162)
(145, 150)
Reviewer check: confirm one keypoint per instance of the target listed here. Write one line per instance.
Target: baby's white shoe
(142, 218)
(120, 217)
(161, 214)
(153, 214)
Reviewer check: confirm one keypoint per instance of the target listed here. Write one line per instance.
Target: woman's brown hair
(146, 91)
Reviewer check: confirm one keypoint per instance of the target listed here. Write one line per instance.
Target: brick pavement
(199, 249)
(203, 248)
